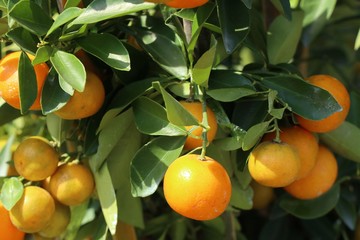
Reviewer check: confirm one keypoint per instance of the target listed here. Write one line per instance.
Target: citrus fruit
(87, 103)
(9, 80)
(321, 178)
(37, 236)
(7, 230)
(274, 164)
(263, 195)
(197, 189)
(58, 222)
(33, 211)
(72, 184)
(303, 141)
(35, 159)
(341, 95)
(194, 140)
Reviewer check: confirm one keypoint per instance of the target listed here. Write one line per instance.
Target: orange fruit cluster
(197, 188)
(298, 163)
(44, 208)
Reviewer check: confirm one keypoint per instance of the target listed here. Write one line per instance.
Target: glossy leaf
(254, 134)
(71, 3)
(150, 163)
(202, 68)
(23, 13)
(158, 47)
(284, 7)
(241, 198)
(344, 141)
(220, 79)
(346, 209)
(304, 99)
(234, 21)
(176, 113)
(43, 54)
(23, 38)
(107, 48)
(315, 208)
(106, 193)
(27, 83)
(11, 192)
(357, 41)
(230, 94)
(8, 113)
(315, 9)
(70, 69)
(53, 96)
(66, 16)
(100, 10)
(282, 44)
(151, 119)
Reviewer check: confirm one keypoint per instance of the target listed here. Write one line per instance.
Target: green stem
(205, 125)
(277, 131)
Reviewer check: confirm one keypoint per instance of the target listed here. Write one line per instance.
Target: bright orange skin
(197, 189)
(33, 211)
(263, 195)
(7, 229)
(341, 95)
(35, 159)
(84, 104)
(9, 80)
(274, 164)
(194, 140)
(303, 141)
(72, 184)
(321, 178)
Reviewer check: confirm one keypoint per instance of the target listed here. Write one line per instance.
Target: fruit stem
(277, 132)
(205, 126)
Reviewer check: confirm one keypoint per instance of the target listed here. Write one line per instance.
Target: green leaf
(8, 113)
(176, 113)
(70, 69)
(107, 48)
(357, 41)
(27, 83)
(71, 3)
(151, 119)
(11, 192)
(230, 94)
(228, 79)
(314, 208)
(344, 141)
(53, 96)
(78, 213)
(42, 55)
(158, 47)
(346, 209)
(284, 7)
(66, 16)
(24, 39)
(254, 134)
(241, 198)
(234, 20)
(106, 193)
(202, 68)
(150, 163)
(316, 9)
(23, 13)
(282, 44)
(100, 10)
(305, 99)
(229, 143)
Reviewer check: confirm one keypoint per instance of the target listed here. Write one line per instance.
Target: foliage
(246, 59)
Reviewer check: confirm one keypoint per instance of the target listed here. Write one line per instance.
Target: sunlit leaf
(11, 192)
(27, 83)
(64, 17)
(254, 134)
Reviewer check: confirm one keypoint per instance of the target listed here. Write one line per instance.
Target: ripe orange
(72, 184)
(197, 189)
(7, 230)
(304, 142)
(181, 3)
(58, 222)
(263, 195)
(87, 103)
(194, 140)
(9, 80)
(321, 178)
(341, 95)
(33, 211)
(35, 159)
(274, 164)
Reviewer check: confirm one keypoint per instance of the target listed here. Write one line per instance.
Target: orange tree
(247, 61)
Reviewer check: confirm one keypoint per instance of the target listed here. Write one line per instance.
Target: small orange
(35, 159)
(87, 103)
(33, 211)
(263, 195)
(194, 140)
(341, 95)
(197, 189)
(7, 230)
(274, 164)
(9, 80)
(321, 178)
(303, 141)
(72, 184)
